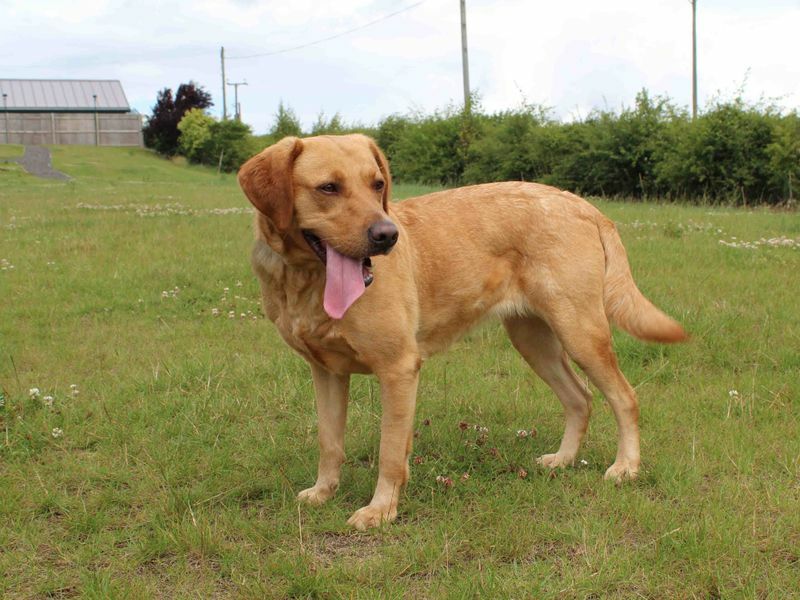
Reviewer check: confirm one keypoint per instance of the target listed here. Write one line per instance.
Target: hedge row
(733, 152)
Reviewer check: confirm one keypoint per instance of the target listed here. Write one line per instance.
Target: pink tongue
(344, 283)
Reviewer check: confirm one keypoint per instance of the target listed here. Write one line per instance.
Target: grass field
(162, 455)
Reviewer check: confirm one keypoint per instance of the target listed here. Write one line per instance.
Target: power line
(327, 39)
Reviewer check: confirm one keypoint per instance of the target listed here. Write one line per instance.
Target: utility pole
(237, 110)
(224, 99)
(464, 57)
(694, 58)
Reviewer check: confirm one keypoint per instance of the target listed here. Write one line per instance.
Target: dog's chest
(294, 304)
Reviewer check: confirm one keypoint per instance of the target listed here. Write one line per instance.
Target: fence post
(5, 113)
(96, 131)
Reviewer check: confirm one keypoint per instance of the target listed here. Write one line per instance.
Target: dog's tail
(625, 305)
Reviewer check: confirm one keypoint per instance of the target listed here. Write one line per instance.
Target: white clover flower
(34, 393)
(733, 393)
(584, 462)
(73, 390)
(232, 314)
(165, 294)
(57, 432)
(48, 401)
(521, 433)
(215, 312)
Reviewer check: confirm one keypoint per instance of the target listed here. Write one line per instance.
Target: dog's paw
(554, 461)
(317, 495)
(622, 471)
(372, 516)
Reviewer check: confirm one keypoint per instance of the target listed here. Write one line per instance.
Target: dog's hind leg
(542, 350)
(331, 393)
(587, 339)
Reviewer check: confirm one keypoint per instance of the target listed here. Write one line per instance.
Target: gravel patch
(37, 162)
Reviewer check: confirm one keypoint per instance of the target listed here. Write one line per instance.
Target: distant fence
(87, 129)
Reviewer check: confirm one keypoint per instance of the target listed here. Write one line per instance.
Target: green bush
(223, 144)
(501, 148)
(286, 123)
(195, 134)
(432, 149)
(721, 156)
(784, 156)
(230, 144)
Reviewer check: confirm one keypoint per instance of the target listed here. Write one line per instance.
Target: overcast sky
(571, 55)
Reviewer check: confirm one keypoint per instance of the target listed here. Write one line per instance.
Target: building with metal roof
(63, 95)
(67, 111)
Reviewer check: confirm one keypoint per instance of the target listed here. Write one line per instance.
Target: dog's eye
(379, 185)
(328, 188)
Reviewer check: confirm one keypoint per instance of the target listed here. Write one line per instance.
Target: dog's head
(330, 191)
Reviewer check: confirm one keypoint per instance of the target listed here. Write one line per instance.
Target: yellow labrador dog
(357, 284)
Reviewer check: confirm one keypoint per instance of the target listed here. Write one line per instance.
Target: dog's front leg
(398, 400)
(331, 393)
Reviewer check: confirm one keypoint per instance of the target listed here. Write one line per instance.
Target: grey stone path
(36, 161)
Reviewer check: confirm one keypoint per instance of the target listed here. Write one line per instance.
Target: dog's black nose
(382, 236)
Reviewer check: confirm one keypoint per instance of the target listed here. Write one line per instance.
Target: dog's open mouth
(346, 278)
(321, 249)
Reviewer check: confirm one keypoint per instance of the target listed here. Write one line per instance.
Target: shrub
(501, 149)
(721, 156)
(161, 132)
(230, 144)
(432, 149)
(286, 123)
(223, 144)
(195, 134)
(784, 156)
(322, 126)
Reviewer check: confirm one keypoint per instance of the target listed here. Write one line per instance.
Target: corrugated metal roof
(70, 95)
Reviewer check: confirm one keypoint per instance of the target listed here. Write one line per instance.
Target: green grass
(10, 171)
(180, 456)
(10, 151)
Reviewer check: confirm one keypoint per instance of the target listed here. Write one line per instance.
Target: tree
(161, 132)
(323, 126)
(229, 145)
(286, 123)
(195, 134)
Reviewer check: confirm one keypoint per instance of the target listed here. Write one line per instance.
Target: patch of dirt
(328, 547)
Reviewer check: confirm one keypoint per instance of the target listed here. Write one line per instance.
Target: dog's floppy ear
(266, 180)
(383, 165)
